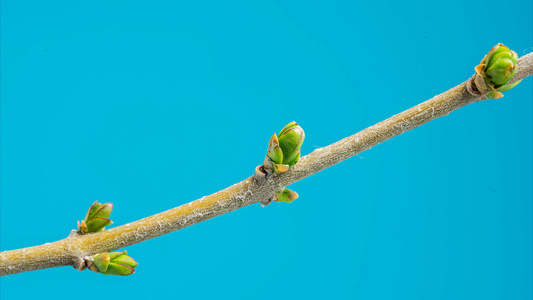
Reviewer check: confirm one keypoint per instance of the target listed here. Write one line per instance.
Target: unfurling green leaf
(98, 224)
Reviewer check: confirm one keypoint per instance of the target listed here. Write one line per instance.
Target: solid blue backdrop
(150, 105)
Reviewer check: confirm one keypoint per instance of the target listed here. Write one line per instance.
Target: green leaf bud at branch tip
(496, 69)
(284, 149)
(96, 219)
(114, 263)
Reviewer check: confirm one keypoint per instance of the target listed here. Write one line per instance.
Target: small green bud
(291, 139)
(114, 263)
(284, 149)
(82, 227)
(502, 67)
(285, 195)
(496, 69)
(97, 218)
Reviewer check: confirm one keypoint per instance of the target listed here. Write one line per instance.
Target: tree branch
(75, 249)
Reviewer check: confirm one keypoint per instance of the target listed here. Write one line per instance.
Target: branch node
(73, 234)
(471, 86)
(267, 202)
(83, 263)
(261, 174)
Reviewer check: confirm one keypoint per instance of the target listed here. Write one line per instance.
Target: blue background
(150, 105)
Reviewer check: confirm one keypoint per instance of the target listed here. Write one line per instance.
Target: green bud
(114, 263)
(291, 139)
(82, 227)
(97, 218)
(285, 195)
(284, 149)
(502, 67)
(496, 69)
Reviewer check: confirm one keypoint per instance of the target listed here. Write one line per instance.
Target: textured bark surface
(74, 249)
